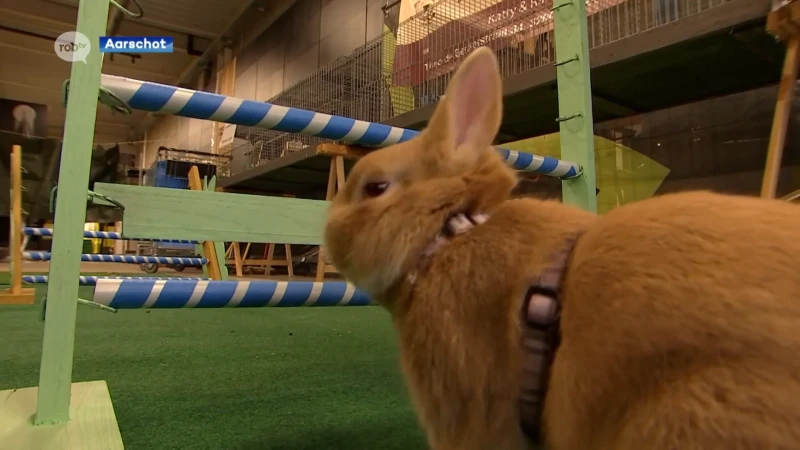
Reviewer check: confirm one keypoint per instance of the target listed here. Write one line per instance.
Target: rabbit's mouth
(461, 222)
(454, 225)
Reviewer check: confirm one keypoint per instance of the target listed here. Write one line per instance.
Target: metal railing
(403, 70)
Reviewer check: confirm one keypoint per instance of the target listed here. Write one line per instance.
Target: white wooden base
(92, 425)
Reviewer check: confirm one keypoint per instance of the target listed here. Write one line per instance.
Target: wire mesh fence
(409, 65)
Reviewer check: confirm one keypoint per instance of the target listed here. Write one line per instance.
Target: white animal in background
(24, 119)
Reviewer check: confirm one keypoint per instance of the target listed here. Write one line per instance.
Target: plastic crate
(172, 182)
(172, 174)
(167, 181)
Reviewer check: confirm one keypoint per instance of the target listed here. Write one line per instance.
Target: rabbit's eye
(375, 189)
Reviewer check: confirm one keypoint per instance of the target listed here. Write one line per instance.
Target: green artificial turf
(249, 378)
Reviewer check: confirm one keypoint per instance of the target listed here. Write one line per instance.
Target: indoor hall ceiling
(32, 72)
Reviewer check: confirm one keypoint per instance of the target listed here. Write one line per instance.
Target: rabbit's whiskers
(454, 225)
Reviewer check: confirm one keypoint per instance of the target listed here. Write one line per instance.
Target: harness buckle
(541, 308)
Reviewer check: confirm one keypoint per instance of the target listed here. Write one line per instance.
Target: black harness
(541, 314)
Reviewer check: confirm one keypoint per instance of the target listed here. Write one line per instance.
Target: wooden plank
(16, 294)
(55, 373)
(16, 218)
(791, 196)
(219, 246)
(336, 181)
(289, 266)
(780, 121)
(196, 184)
(339, 164)
(784, 22)
(200, 215)
(237, 259)
(92, 424)
(270, 256)
(24, 296)
(345, 151)
(226, 81)
(260, 262)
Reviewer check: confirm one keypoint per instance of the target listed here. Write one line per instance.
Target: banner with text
(433, 38)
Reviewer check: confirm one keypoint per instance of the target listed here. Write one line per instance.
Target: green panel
(216, 216)
(575, 100)
(55, 374)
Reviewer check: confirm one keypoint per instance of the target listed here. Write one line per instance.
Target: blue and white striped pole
(128, 259)
(30, 231)
(163, 99)
(86, 280)
(180, 293)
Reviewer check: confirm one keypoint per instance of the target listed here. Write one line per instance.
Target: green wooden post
(55, 375)
(575, 100)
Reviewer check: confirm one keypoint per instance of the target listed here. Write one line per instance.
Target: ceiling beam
(117, 17)
(608, 105)
(269, 12)
(59, 19)
(117, 67)
(13, 84)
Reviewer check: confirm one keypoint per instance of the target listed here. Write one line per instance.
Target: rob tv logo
(72, 46)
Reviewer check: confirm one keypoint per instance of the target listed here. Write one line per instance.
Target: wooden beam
(226, 84)
(336, 181)
(214, 272)
(237, 259)
(791, 196)
(289, 265)
(345, 151)
(203, 215)
(780, 121)
(261, 262)
(55, 372)
(16, 294)
(92, 423)
(784, 22)
(603, 103)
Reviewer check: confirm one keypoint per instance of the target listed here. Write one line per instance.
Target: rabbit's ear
(468, 118)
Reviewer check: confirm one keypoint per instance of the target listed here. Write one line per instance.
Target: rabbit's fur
(681, 314)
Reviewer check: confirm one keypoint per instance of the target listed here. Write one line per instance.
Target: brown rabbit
(680, 319)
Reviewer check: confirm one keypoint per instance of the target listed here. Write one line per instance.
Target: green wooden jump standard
(575, 119)
(67, 415)
(55, 376)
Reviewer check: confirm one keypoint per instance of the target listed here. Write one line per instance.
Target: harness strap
(541, 313)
